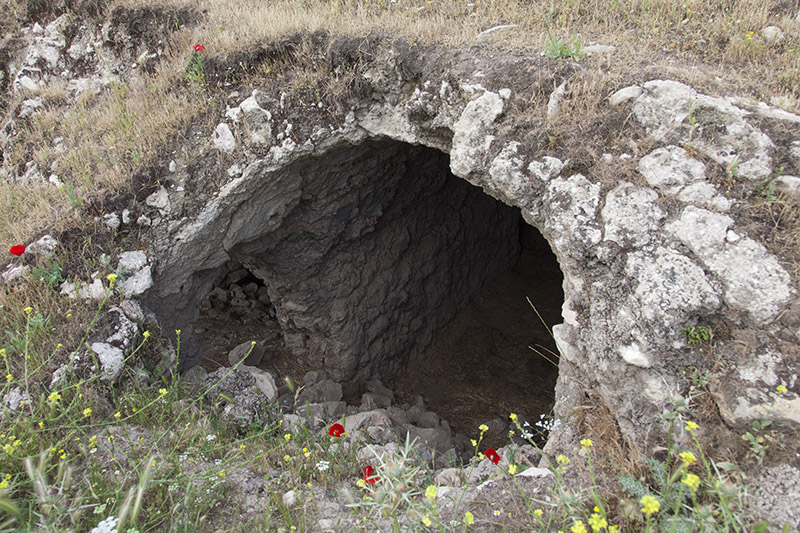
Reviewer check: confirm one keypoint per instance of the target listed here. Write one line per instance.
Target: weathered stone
(378, 417)
(772, 34)
(669, 110)
(670, 169)
(631, 215)
(370, 401)
(112, 360)
(223, 138)
(471, 138)
(322, 391)
(428, 419)
(788, 185)
(754, 280)
(252, 353)
(623, 95)
(264, 382)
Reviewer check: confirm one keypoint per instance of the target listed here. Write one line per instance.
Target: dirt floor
(481, 367)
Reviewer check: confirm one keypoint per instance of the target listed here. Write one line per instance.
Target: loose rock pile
(240, 295)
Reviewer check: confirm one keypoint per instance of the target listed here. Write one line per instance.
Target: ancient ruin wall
(644, 255)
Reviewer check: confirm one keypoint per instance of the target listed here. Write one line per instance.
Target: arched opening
(380, 263)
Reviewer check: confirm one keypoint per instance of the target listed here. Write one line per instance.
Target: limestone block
(631, 215)
(223, 138)
(472, 133)
(507, 175)
(112, 360)
(572, 205)
(754, 280)
(669, 287)
(670, 169)
(721, 131)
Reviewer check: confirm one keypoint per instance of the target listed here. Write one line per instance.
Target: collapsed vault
(654, 250)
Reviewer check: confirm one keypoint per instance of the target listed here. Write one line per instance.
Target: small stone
(111, 358)
(505, 94)
(159, 199)
(144, 220)
(29, 107)
(428, 419)
(772, 34)
(599, 49)
(126, 216)
(44, 246)
(623, 95)
(254, 358)
(172, 166)
(111, 220)
(234, 170)
(788, 185)
(223, 138)
(289, 499)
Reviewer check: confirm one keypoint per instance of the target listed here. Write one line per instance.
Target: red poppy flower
(369, 474)
(491, 454)
(17, 249)
(199, 48)
(336, 430)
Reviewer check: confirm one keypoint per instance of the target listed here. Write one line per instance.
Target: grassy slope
(715, 46)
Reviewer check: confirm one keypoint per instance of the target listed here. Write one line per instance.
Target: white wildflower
(323, 465)
(109, 525)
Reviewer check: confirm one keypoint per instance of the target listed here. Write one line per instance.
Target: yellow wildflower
(361, 483)
(469, 519)
(28, 310)
(111, 279)
(512, 469)
(117, 415)
(613, 529)
(691, 481)
(287, 437)
(242, 447)
(53, 397)
(597, 522)
(87, 412)
(162, 392)
(9, 378)
(287, 458)
(146, 334)
(781, 389)
(513, 417)
(649, 505)
(426, 520)
(578, 527)
(221, 473)
(687, 458)
(430, 492)
(484, 428)
(562, 459)
(586, 443)
(474, 442)
(691, 426)
(538, 513)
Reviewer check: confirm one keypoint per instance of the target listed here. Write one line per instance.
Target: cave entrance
(375, 261)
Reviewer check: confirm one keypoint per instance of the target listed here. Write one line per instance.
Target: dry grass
(714, 45)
